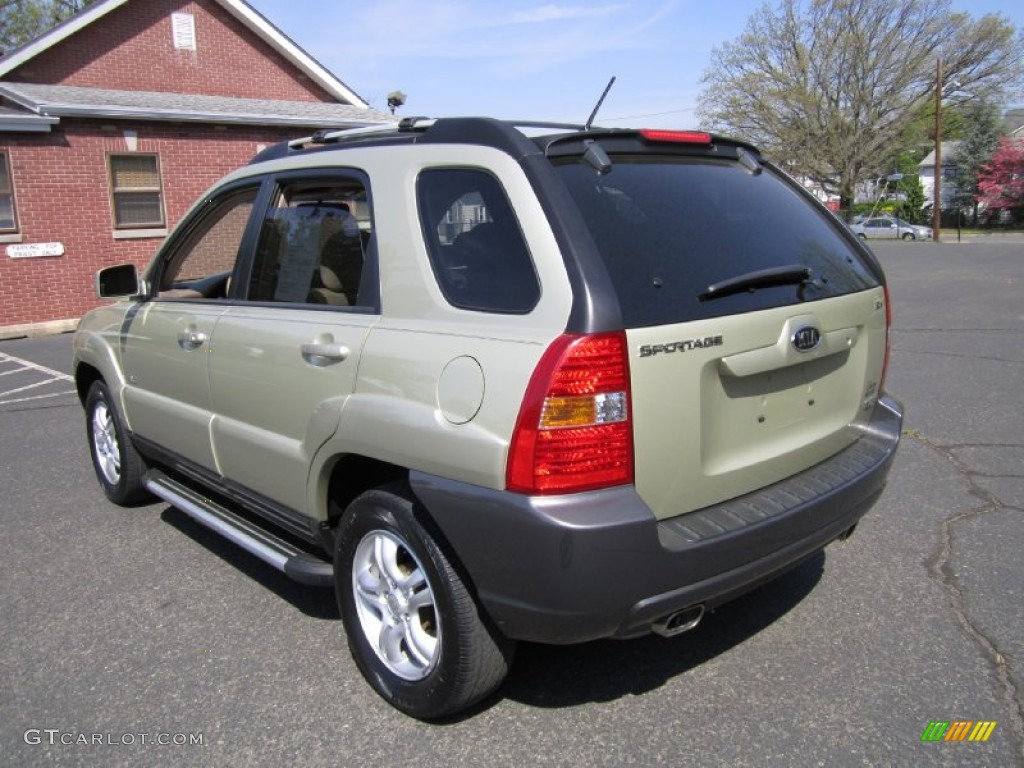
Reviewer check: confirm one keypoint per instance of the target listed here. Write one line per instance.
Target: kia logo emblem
(806, 338)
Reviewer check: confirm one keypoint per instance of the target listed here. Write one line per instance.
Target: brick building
(115, 122)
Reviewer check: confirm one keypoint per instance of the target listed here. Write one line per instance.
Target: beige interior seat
(331, 292)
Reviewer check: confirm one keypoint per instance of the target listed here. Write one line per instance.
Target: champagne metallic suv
(498, 382)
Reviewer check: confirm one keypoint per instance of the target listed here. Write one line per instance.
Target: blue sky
(536, 59)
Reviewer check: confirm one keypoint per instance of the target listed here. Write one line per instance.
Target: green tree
(25, 20)
(980, 139)
(920, 129)
(828, 87)
(912, 194)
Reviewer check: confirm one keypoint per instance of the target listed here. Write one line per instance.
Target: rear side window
(669, 227)
(476, 248)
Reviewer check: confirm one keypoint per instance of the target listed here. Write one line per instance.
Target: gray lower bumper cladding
(565, 569)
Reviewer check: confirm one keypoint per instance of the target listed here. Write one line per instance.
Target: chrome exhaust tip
(679, 622)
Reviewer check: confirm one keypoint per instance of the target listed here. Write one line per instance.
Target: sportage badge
(806, 338)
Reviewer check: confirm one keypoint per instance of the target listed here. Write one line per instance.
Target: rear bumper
(566, 569)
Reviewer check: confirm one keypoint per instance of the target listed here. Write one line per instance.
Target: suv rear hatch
(756, 327)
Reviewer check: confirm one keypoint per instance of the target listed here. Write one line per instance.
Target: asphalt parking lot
(135, 637)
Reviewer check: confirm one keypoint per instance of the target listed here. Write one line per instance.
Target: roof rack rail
(329, 137)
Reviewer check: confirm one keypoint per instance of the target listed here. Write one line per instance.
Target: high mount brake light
(677, 137)
(574, 431)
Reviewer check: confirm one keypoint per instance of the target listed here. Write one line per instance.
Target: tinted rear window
(668, 228)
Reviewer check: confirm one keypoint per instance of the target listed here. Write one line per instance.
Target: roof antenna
(590, 120)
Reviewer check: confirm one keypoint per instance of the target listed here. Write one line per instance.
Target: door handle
(190, 339)
(324, 354)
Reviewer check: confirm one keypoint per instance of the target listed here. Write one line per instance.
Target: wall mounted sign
(35, 250)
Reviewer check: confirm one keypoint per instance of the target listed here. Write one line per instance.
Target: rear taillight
(574, 431)
(888, 340)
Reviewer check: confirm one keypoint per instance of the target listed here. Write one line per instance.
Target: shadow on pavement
(551, 676)
(315, 602)
(567, 676)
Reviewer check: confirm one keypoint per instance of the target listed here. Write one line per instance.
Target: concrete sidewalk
(951, 236)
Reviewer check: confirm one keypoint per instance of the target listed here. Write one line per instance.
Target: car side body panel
(439, 387)
(167, 395)
(276, 400)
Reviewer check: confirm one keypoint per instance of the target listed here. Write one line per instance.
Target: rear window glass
(668, 228)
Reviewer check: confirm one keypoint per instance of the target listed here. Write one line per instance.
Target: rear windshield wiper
(791, 274)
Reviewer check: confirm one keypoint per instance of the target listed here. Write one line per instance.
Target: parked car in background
(890, 228)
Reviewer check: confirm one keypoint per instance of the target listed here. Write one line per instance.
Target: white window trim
(16, 231)
(159, 190)
(137, 234)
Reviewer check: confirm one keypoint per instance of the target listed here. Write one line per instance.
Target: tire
(862, 236)
(908, 236)
(414, 630)
(119, 468)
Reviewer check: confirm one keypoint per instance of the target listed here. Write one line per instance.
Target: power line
(651, 114)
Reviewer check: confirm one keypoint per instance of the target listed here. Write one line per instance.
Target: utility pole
(937, 204)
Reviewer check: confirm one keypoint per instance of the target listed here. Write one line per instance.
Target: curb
(49, 328)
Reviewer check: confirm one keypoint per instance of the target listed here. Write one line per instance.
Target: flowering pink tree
(1001, 182)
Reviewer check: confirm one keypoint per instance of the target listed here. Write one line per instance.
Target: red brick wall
(131, 48)
(63, 195)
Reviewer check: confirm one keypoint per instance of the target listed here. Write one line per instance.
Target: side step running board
(286, 557)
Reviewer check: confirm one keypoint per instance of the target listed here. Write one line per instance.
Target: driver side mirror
(119, 282)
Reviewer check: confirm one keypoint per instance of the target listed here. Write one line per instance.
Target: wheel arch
(95, 360)
(85, 376)
(346, 476)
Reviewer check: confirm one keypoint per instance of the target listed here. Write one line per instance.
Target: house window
(8, 215)
(136, 192)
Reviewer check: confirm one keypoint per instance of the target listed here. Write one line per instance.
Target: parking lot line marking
(27, 386)
(37, 397)
(5, 358)
(53, 377)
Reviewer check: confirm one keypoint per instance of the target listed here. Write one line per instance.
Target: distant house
(949, 172)
(1013, 122)
(1012, 125)
(113, 123)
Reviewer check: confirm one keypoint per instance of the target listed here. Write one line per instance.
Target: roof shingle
(76, 101)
